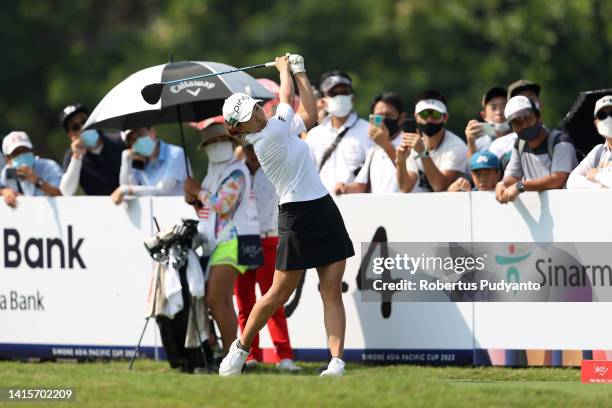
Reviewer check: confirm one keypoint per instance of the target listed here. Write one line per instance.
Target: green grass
(152, 384)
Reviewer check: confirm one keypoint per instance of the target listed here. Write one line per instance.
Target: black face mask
(529, 133)
(430, 129)
(392, 125)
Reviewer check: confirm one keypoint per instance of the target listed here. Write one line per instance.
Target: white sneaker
(287, 364)
(233, 361)
(335, 368)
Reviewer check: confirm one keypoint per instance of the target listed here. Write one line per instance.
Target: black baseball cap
(495, 92)
(69, 111)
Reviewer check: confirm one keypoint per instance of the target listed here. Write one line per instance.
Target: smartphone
(138, 164)
(409, 126)
(487, 129)
(11, 173)
(376, 120)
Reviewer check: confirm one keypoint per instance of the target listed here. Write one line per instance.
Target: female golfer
(310, 227)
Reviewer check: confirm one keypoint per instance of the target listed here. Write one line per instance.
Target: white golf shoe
(286, 364)
(233, 361)
(334, 369)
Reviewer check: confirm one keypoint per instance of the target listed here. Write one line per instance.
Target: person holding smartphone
(311, 231)
(94, 157)
(378, 174)
(24, 173)
(480, 135)
(149, 166)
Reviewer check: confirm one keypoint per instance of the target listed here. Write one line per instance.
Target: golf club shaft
(175, 81)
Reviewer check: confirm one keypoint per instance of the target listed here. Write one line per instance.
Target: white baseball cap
(14, 140)
(518, 106)
(433, 104)
(602, 103)
(238, 108)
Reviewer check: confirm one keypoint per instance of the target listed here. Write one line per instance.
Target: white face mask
(604, 127)
(340, 105)
(220, 151)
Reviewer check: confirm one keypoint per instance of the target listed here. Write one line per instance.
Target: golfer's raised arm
(308, 103)
(285, 93)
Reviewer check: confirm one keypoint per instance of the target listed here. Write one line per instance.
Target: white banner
(74, 275)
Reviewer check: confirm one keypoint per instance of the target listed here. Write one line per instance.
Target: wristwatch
(520, 187)
(39, 182)
(424, 154)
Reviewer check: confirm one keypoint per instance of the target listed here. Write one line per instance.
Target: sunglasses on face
(342, 91)
(75, 127)
(601, 115)
(434, 114)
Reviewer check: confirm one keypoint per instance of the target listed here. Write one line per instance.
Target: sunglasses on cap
(601, 115)
(434, 114)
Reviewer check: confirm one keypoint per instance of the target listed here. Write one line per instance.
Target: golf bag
(176, 298)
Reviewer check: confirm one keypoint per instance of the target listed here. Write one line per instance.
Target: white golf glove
(297, 63)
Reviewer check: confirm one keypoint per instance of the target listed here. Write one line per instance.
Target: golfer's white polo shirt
(350, 155)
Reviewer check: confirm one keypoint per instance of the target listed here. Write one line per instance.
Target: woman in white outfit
(310, 227)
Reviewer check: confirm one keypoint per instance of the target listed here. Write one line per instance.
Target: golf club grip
(267, 64)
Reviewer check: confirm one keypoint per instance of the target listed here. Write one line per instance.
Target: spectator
(94, 158)
(435, 157)
(594, 172)
(378, 174)
(485, 170)
(541, 159)
(480, 135)
(226, 212)
(339, 144)
(24, 173)
(502, 146)
(149, 166)
(266, 201)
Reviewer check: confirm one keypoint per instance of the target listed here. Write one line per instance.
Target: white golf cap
(238, 108)
(602, 103)
(14, 140)
(518, 106)
(432, 104)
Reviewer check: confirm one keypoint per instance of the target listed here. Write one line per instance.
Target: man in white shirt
(338, 145)
(432, 158)
(378, 174)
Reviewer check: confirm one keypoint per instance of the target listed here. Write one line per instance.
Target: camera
(182, 234)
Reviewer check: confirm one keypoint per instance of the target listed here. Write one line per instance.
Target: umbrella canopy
(578, 122)
(124, 108)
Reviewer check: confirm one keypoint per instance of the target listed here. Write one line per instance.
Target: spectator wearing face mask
(485, 170)
(227, 213)
(541, 159)
(340, 143)
(149, 166)
(434, 157)
(480, 135)
(378, 174)
(94, 158)
(26, 174)
(502, 146)
(595, 171)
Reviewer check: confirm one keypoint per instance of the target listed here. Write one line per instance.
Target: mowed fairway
(152, 384)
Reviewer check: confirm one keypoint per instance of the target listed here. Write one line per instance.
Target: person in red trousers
(267, 211)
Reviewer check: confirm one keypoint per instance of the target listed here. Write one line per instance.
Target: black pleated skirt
(311, 234)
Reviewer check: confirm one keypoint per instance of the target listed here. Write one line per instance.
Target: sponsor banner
(596, 372)
(75, 273)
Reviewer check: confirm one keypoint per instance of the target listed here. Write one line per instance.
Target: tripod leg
(138, 345)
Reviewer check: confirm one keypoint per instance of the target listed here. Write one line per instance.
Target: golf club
(152, 92)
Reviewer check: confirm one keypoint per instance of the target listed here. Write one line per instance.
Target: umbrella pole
(180, 120)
